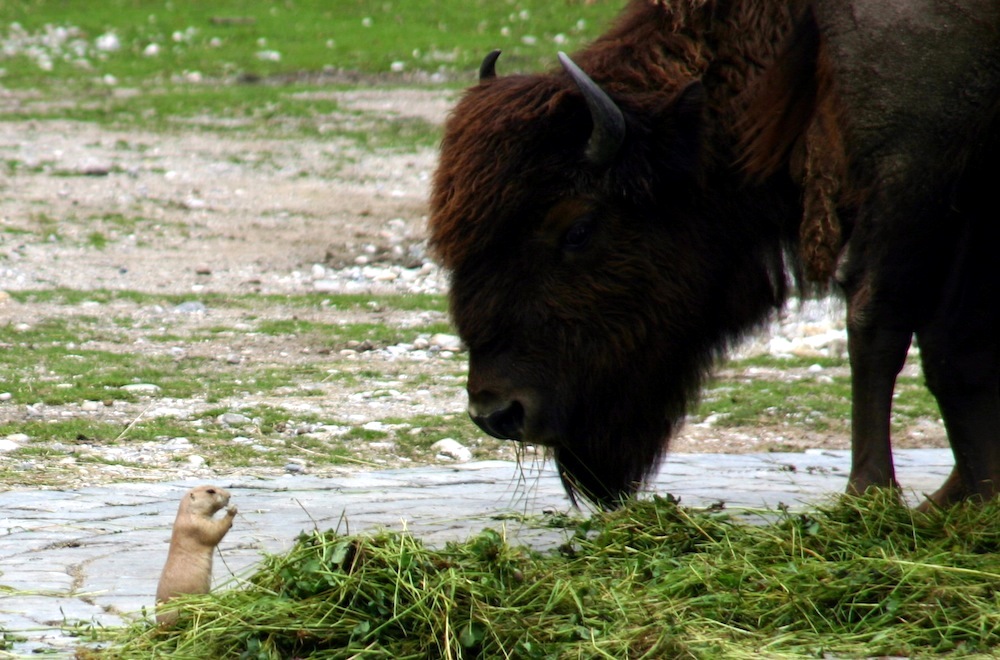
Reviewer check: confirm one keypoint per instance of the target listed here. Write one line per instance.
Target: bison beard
(610, 452)
(611, 233)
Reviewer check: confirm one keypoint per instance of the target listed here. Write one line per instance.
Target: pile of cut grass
(860, 577)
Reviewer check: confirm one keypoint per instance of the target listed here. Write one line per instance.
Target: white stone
(378, 274)
(446, 342)
(108, 42)
(452, 449)
(141, 388)
(327, 285)
(7, 445)
(177, 444)
(167, 412)
(232, 419)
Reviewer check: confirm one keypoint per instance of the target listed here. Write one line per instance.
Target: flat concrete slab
(95, 554)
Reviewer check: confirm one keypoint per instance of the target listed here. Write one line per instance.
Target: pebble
(6, 445)
(446, 342)
(190, 307)
(6, 396)
(233, 419)
(177, 444)
(327, 285)
(141, 388)
(452, 449)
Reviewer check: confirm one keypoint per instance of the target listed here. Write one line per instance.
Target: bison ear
(680, 129)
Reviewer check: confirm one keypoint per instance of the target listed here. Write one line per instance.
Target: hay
(861, 577)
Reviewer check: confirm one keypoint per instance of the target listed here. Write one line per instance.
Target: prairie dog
(192, 543)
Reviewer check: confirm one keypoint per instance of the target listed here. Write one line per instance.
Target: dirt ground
(86, 207)
(251, 211)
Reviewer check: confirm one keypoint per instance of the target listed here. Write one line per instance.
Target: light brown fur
(195, 535)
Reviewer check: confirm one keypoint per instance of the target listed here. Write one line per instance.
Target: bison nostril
(505, 421)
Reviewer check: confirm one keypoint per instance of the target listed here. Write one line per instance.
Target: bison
(613, 226)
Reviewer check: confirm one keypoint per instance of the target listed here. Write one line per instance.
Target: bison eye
(577, 237)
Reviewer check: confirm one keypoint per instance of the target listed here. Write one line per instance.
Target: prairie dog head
(205, 500)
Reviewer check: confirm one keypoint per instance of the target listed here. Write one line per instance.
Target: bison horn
(488, 69)
(609, 122)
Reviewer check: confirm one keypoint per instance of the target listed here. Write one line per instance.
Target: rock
(177, 444)
(7, 445)
(196, 461)
(327, 285)
(446, 342)
(233, 419)
(190, 307)
(6, 396)
(452, 449)
(379, 274)
(108, 42)
(141, 388)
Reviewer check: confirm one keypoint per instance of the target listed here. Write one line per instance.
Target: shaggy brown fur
(766, 143)
(794, 121)
(498, 187)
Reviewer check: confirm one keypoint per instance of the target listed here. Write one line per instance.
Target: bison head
(582, 270)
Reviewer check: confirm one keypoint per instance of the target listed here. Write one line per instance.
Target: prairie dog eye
(578, 236)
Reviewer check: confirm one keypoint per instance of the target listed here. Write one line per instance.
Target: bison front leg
(877, 356)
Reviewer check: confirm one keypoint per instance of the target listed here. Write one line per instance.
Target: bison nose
(500, 418)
